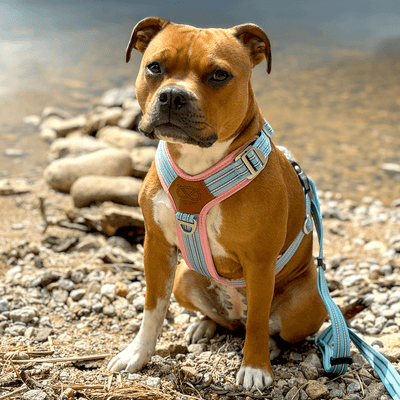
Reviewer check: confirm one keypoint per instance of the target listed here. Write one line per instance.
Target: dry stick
(359, 380)
(50, 340)
(11, 394)
(56, 360)
(188, 383)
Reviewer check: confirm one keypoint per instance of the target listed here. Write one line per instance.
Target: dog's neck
(194, 160)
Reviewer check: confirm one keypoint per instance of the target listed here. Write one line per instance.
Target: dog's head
(194, 84)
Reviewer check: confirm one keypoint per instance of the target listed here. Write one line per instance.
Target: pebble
(43, 334)
(61, 174)
(35, 395)
(74, 147)
(131, 117)
(121, 138)
(153, 382)
(134, 377)
(316, 390)
(108, 290)
(77, 294)
(63, 126)
(117, 96)
(98, 189)
(25, 314)
(138, 303)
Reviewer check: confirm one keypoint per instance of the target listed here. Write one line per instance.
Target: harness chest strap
(192, 197)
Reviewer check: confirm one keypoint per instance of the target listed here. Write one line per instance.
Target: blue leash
(334, 342)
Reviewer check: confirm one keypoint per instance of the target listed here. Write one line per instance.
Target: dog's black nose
(174, 97)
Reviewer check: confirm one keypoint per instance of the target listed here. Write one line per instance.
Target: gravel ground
(61, 297)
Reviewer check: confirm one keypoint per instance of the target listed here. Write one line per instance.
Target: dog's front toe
(200, 330)
(249, 377)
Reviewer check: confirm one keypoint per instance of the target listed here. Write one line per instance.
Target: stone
(60, 295)
(131, 116)
(48, 135)
(391, 169)
(108, 290)
(293, 394)
(153, 382)
(190, 372)
(32, 119)
(55, 111)
(336, 393)
(74, 147)
(3, 305)
(14, 186)
(121, 289)
(316, 390)
(25, 314)
(375, 246)
(133, 326)
(61, 174)
(43, 334)
(196, 348)
(119, 137)
(171, 350)
(117, 96)
(119, 216)
(45, 279)
(109, 310)
(77, 294)
(64, 126)
(66, 284)
(98, 189)
(142, 158)
(35, 395)
(134, 377)
(98, 120)
(138, 303)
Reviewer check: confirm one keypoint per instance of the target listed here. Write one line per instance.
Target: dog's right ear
(143, 32)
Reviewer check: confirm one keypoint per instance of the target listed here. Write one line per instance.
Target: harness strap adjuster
(260, 156)
(308, 226)
(183, 225)
(303, 179)
(320, 263)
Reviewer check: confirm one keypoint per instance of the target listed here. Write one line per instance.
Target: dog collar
(191, 198)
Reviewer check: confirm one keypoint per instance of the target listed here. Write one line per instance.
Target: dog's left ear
(143, 32)
(257, 42)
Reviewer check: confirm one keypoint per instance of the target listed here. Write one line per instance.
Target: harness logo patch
(188, 194)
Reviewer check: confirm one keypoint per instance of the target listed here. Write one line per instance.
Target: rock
(153, 382)
(189, 372)
(352, 280)
(70, 392)
(30, 333)
(77, 276)
(108, 290)
(66, 284)
(25, 314)
(55, 111)
(32, 119)
(43, 333)
(131, 117)
(74, 147)
(134, 377)
(63, 126)
(98, 189)
(391, 169)
(142, 158)
(171, 350)
(3, 305)
(48, 135)
(122, 138)
(61, 174)
(309, 371)
(118, 241)
(60, 295)
(77, 294)
(98, 120)
(118, 216)
(35, 395)
(121, 289)
(292, 394)
(13, 153)
(375, 246)
(109, 311)
(316, 390)
(13, 186)
(116, 97)
(45, 279)
(138, 303)
(133, 326)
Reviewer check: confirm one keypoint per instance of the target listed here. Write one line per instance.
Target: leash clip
(308, 226)
(321, 263)
(246, 161)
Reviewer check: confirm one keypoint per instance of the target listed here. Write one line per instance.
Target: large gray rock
(115, 97)
(100, 118)
(75, 147)
(142, 158)
(64, 126)
(61, 174)
(118, 137)
(25, 314)
(131, 116)
(98, 189)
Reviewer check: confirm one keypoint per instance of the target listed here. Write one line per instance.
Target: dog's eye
(154, 68)
(219, 77)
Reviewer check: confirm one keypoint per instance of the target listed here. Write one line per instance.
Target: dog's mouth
(175, 134)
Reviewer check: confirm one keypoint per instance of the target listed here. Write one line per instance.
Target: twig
(78, 386)
(298, 390)
(189, 384)
(42, 209)
(56, 360)
(359, 380)
(11, 394)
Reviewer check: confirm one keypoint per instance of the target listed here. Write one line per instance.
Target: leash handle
(334, 342)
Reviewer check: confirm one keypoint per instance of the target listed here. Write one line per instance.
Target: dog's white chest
(165, 218)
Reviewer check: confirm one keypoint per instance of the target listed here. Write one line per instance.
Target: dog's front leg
(160, 260)
(256, 366)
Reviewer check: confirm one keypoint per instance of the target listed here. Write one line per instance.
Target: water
(66, 54)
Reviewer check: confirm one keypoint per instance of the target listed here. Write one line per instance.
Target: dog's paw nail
(253, 377)
(199, 330)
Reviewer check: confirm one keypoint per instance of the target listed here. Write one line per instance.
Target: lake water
(67, 53)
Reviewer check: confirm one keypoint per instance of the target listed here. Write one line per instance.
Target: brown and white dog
(194, 89)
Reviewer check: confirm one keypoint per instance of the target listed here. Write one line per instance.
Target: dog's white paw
(274, 350)
(249, 377)
(133, 358)
(199, 330)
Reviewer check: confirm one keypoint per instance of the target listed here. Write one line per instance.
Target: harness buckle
(303, 179)
(261, 158)
(307, 227)
(184, 224)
